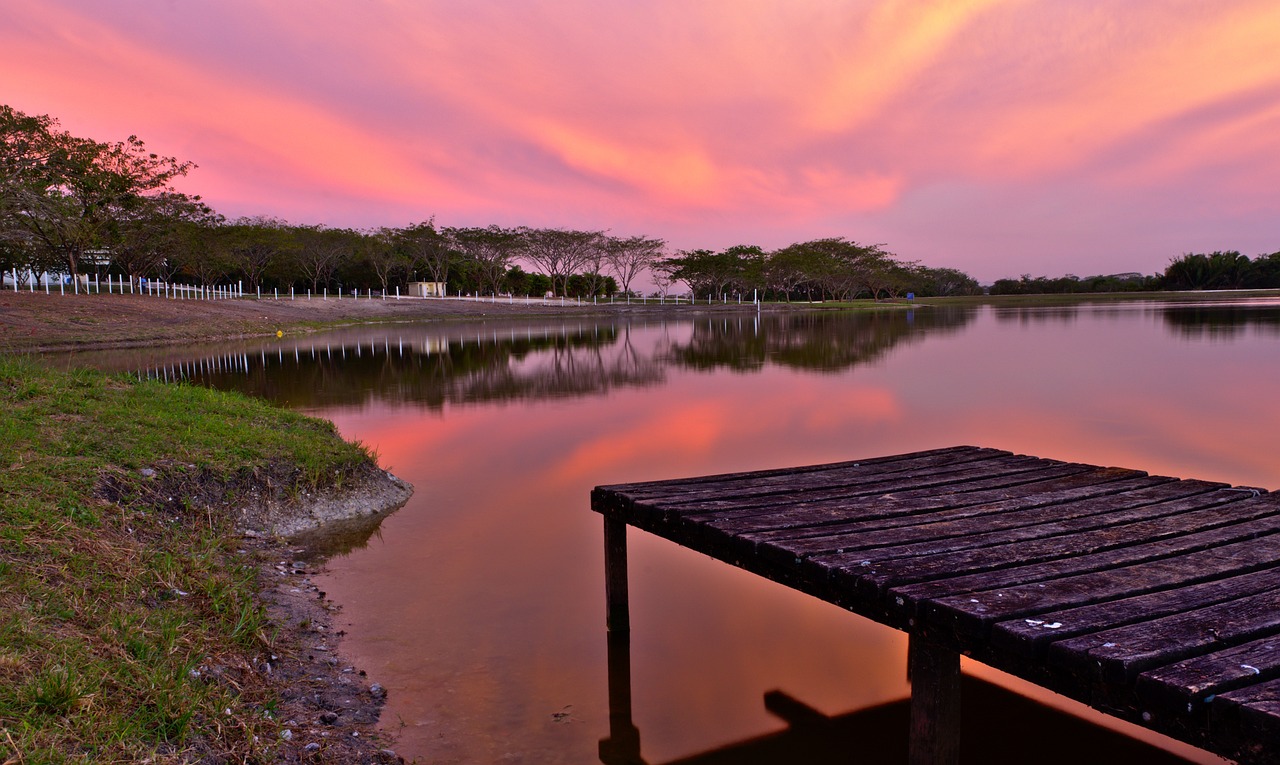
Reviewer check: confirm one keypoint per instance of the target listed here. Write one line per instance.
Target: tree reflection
(819, 342)
(1221, 321)
(435, 365)
(454, 368)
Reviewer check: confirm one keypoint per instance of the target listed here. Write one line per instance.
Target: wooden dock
(1153, 599)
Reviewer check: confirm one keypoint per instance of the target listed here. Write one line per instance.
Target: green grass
(129, 621)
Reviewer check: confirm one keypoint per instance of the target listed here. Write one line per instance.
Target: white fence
(92, 284)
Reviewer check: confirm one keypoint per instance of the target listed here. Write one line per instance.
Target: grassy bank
(129, 620)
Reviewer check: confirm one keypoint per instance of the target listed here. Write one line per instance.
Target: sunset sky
(1000, 137)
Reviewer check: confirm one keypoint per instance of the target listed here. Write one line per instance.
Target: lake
(480, 604)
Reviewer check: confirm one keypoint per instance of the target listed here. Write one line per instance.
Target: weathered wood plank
(972, 527)
(1118, 655)
(1250, 721)
(1024, 643)
(1187, 687)
(947, 479)
(742, 531)
(869, 466)
(665, 501)
(871, 572)
(900, 500)
(973, 571)
(972, 614)
(1028, 510)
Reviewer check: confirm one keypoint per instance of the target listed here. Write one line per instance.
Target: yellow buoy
(279, 333)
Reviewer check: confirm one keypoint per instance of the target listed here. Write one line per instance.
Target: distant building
(427, 289)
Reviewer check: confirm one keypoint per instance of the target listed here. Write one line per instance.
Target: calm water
(479, 605)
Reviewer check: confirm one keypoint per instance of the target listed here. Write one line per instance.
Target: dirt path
(49, 322)
(39, 322)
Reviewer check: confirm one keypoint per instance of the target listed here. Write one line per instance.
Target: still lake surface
(480, 604)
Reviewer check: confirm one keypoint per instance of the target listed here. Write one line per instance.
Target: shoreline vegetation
(148, 610)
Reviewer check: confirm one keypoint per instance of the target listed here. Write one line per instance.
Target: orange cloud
(675, 172)
(1129, 85)
(899, 40)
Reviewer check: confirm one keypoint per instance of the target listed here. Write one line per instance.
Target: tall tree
(386, 262)
(788, 268)
(489, 251)
(197, 250)
(707, 272)
(630, 257)
(561, 252)
(427, 249)
(945, 282)
(1223, 269)
(663, 276)
(320, 250)
(68, 193)
(751, 266)
(150, 230)
(254, 244)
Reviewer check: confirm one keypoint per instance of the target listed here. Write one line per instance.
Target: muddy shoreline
(329, 707)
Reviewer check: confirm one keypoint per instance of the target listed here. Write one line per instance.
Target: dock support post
(617, 616)
(934, 672)
(622, 747)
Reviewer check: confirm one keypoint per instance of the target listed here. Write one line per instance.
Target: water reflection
(479, 605)
(435, 366)
(821, 342)
(439, 365)
(1188, 318)
(1222, 321)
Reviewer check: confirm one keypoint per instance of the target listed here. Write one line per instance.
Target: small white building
(426, 289)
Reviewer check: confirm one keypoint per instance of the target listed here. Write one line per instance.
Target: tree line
(832, 268)
(1219, 270)
(74, 205)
